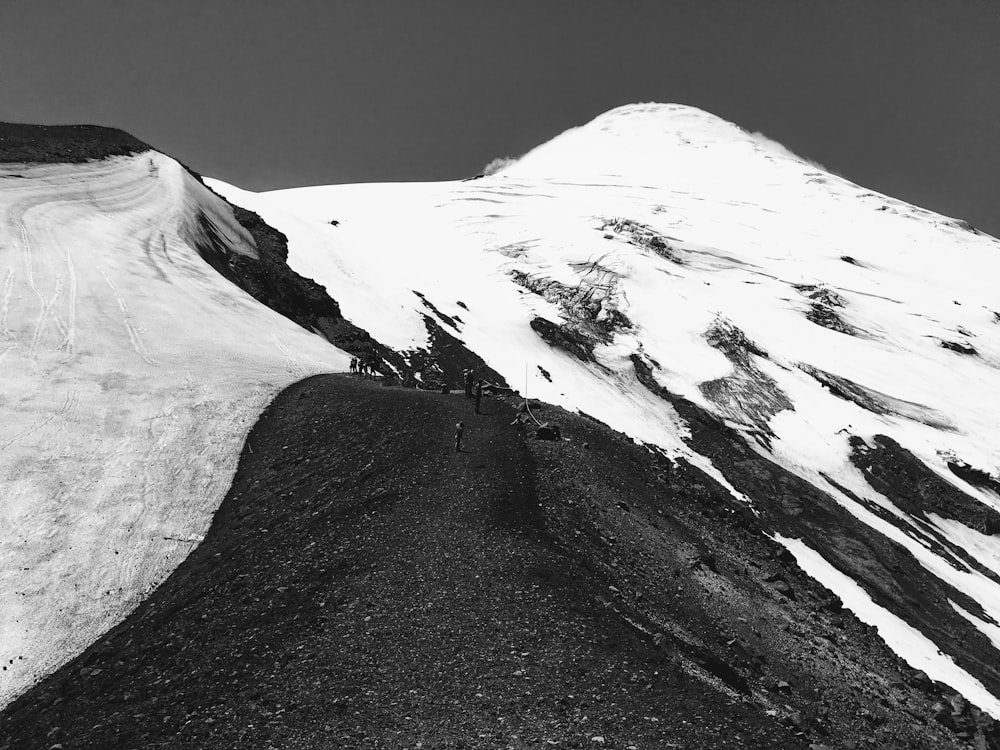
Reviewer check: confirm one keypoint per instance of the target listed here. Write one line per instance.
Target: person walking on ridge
(468, 383)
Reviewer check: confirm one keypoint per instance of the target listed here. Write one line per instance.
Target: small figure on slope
(469, 375)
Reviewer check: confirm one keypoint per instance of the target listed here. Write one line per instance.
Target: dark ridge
(306, 302)
(895, 472)
(642, 235)
(797, 509)
(585, 306)
(747, 395)
(849, 259)
(923, 531)
(823, 306)
(733, 343)
(269, 280)
(272, 282)
(443, 317)
(975, 477)
(876, 401)
(565, 338)
(960, 346)
(71, 144)
(446, 359)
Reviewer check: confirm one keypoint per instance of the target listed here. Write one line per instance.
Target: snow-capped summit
(659, 250)
(657, 142)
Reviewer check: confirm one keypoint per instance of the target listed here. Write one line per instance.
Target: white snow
(754, 230)
(131, 374)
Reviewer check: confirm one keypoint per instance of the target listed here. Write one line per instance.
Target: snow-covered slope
(131, 372)
(807, 312)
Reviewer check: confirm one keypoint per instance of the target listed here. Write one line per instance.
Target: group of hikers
(363, 367)
(473, 389)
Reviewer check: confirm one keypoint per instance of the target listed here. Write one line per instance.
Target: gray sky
(899, 95)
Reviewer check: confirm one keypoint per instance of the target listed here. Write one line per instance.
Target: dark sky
(902, 96)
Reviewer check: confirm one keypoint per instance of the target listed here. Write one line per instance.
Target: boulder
(548, 431)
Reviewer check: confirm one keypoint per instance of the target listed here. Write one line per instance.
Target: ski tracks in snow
(71, 400)
(48, 309)
(134, 331)
(5, 295)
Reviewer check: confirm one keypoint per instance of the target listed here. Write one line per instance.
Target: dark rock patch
(876, 401)
(445, 358)
(975, 477)
(895, 472)
(443, 317)
(961, 347)
(642, 235)
(589, 308)
(565, 338)
(747, 395)
(64, 144)
(824, 304)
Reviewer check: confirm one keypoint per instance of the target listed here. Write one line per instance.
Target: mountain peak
(651, 141)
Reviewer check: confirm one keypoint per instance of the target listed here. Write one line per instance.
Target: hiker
(468, 383)
(354, 365)
(479, 395)
(459, 429)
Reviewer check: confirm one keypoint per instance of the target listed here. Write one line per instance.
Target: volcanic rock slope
(680, 279)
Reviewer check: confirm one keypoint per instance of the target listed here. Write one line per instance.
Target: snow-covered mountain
(130, 373)
(659, 269)
(661, 250)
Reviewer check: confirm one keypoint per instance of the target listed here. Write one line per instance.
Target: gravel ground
(364, 586)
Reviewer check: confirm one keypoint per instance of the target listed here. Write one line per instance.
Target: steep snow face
(800, 308)
(131, 374)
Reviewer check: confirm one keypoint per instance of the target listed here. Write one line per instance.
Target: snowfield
(131, 372)
(800, 307)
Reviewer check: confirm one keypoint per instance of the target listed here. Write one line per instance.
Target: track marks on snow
(134, 331)
(5, 295)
